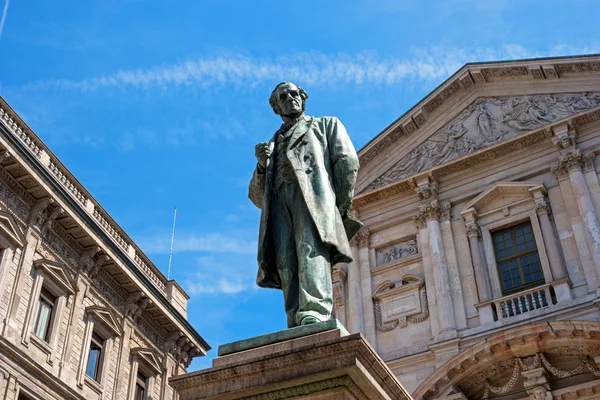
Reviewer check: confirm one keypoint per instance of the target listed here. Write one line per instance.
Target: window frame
(98, 341)
(103, 323)
(51, 300)
(517, 257)
(487, 228)
(147, 362)
(55, 278)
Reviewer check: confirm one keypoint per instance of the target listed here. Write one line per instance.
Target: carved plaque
(396, 252)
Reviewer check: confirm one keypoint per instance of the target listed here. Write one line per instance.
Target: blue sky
(154, 104)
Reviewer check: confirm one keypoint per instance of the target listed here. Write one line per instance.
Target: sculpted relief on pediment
(484, 123)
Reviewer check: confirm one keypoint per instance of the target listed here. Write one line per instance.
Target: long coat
(325, 164)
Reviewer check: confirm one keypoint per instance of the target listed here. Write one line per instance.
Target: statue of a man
(304, 184)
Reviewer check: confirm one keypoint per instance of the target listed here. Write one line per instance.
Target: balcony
(525, 304)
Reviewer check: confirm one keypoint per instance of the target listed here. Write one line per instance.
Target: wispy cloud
(311, 68)
(4, 14)
(232, 243)
(215, 277)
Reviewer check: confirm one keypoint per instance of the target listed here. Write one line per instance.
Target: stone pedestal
(325, 364)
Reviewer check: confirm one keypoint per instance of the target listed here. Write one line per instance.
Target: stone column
(339, 292)
(354, 311)
(430, 215)
(571, 164)
(368, 313)
(481, 276)
(542, 209)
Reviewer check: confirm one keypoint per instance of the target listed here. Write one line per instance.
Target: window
(517, 258)
(95, 357)
(43, 314)
(140, 386)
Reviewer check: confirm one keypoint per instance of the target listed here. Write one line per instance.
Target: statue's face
(288, 98)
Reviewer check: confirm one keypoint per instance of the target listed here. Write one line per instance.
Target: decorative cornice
(461, 164)
(471, 76)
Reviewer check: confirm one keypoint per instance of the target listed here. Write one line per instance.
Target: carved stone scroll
(398, 303)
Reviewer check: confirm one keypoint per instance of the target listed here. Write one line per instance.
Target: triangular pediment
(503, 194)
(484, 123)
(106, 317)
(149, 358)
(58, 273)
(10, 230)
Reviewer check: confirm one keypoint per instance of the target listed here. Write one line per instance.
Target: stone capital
(542, 206)
(432, 211)
(567, 163)
(361, 239)
(473, 229)
(587, 162)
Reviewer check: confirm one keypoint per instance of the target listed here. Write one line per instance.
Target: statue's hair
(273, 99)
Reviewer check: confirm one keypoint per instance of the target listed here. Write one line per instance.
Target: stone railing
(523, 302)
(67, 183)
(29, 143)
(103, 222)
(150, 274)
(77, 192)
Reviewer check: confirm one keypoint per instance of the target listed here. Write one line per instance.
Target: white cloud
(310, 68)
(233, 243)
(4, 14)
(215, 277)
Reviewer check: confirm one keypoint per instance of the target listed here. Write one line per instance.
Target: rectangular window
(94, 357)
(140, 387)
(43, 314)
(517, 259)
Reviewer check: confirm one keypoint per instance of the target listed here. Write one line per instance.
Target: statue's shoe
(309, 320)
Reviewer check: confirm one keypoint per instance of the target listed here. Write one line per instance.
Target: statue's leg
(285, 252)
(314, 268)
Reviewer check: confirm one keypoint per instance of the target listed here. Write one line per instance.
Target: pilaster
(571, 164)
(430, 213)
(355, 310)
(362, 239)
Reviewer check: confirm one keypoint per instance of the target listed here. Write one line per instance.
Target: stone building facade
(84, 314)
(477, 273)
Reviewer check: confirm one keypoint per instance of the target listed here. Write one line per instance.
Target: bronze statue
(304, 184)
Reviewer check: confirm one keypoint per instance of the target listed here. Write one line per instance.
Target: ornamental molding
(399, 303)
(58, 273)
(472, 77)
(312, 388)
(105, 317)
(149, 358)
(478, 366)
(10, 230)
(500, 195)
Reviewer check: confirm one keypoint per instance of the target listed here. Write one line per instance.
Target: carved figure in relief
(483, 124)
(304, 185)
(540, 393)
(397, 251)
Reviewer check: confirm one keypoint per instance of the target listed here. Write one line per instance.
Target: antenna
(172, 241)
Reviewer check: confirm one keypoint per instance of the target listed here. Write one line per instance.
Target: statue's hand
(262, 151)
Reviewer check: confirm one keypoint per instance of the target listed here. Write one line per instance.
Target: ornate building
(84, 313)
(477, 273)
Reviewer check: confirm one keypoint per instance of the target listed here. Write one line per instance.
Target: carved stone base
(323, 366)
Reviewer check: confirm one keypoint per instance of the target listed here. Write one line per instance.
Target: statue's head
(288, 100)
